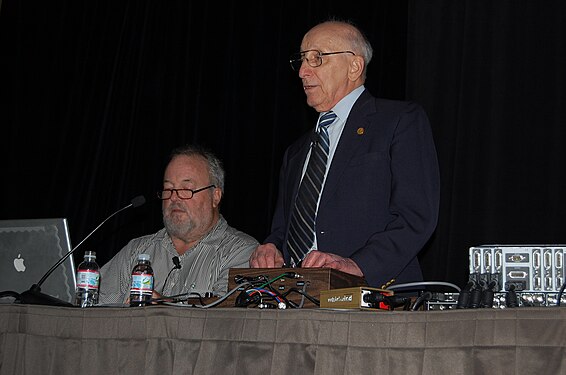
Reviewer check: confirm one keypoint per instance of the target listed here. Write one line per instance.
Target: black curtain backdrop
(96, 94)
(491, 75)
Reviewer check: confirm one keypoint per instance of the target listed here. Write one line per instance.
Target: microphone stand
(34, 296)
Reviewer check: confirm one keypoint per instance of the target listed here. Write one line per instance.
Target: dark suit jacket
(380, 201)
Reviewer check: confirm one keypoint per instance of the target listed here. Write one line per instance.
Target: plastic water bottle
(88, 281)
(142, 282)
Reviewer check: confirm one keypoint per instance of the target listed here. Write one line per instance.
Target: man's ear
(216, 196)
(356, 68)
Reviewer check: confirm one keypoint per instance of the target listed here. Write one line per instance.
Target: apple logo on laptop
(19, 264)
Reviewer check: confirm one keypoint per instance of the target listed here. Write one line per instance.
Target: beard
(176, 225)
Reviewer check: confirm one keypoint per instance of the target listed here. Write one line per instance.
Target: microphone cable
(176, 266)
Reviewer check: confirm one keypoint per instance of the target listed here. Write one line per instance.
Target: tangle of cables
(261, 293)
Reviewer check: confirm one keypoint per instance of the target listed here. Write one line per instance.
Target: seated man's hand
(328, 260)
(266, 256)
(154, 295)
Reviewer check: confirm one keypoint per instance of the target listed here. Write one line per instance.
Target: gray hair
(357, 39)
(215, 167)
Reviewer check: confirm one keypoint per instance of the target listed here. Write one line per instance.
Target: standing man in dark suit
(379, 201)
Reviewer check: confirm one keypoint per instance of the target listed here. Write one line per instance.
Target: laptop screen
(28, 249)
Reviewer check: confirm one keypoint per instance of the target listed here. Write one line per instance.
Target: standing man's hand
(266, 256)
(328, 260)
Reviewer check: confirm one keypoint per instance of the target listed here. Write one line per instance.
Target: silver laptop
(28, 249)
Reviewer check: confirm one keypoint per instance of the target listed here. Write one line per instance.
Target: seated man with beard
(195, 232)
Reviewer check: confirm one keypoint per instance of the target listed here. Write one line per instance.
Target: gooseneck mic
(35, 297)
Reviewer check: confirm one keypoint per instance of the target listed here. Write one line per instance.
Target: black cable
(224, 297)
(375, 299)
(396, 301)
(278, 294)
(244, 299)
(559, 297)
(487, 295)
(475, 298)
(511, 297)
(426, 296)
(167, 278)
(212, 304)
(200, 298)
(176, 266)
(238, 279)
(175, 298)
(464, 296)
(303, 296)
(303, 293)
(10, 293)
(254, 296)
(257, 296)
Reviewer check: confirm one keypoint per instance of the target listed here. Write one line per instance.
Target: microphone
(314, 138)
(177, 262)
(33, 296)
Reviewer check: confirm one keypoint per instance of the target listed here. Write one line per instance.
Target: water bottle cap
(90, 254)
(143, 257)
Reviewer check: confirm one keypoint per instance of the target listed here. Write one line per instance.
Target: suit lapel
(349, 142)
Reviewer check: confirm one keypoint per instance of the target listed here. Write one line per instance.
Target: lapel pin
(361, 131)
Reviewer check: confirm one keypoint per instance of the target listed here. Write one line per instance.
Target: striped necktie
(303, 217)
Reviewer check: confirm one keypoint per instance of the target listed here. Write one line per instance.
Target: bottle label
(142, 283)
(88, 279)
